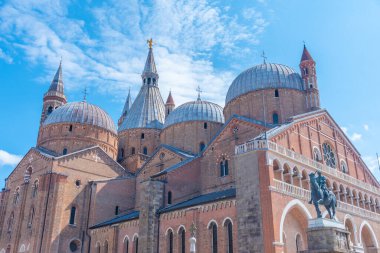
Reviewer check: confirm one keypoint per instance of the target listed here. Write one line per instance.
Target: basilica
(196, 177)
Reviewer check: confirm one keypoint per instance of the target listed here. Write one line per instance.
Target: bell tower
(309, 77)
(169, 105)
(55, 96)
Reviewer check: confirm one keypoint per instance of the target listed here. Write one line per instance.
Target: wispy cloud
(366, 127)
(7, 58)
(107, 49)
(8, 159)
(353, 137)
(372, 163)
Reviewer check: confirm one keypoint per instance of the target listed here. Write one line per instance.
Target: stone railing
(268, 145)
(303, 194)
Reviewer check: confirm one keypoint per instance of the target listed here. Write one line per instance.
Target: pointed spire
(57, 82)
(199, 93)
(128, 104)
(150, 65)
(170, 100)
(306, 55)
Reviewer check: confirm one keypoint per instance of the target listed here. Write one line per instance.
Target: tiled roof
(120, 218)
(264, 76)
(202, 199)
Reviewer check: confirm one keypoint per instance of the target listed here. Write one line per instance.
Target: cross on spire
(199, 92)
(264, 57)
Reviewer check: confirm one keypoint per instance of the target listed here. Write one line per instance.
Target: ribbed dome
(196, 111)
(264, 76)
(83, 113)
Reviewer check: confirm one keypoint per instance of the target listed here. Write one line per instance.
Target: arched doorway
(350, 227)
(368, 238)
(294, 227)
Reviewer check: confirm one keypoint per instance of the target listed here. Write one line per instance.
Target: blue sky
(199, 42)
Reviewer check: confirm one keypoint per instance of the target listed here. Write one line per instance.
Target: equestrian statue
(321, 195)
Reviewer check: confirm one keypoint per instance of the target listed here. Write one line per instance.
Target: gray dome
(264, 76)
(195, 111)
(83, 113)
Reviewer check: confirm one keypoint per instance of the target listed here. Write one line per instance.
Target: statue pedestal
(327, 236)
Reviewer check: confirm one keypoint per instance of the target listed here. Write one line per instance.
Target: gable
(311, 131)
(92, 161)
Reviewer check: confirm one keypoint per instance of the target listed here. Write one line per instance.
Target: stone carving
(321, 195)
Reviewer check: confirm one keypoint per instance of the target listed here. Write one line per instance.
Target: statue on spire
(150, 42)
(199, 92)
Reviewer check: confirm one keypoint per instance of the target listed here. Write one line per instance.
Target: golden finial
(150, 42)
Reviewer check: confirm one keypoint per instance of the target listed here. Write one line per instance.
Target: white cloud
(5, 57)
(366, 127)
(8, 159)
(356, 137)
(344, 129)
(108, 50)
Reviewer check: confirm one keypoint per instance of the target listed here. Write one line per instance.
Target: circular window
(329, 155)
(77, 182)
(74, 245)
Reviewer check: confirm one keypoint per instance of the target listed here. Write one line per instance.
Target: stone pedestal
(327, 236)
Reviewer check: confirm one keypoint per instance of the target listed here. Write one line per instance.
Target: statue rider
(321, 181)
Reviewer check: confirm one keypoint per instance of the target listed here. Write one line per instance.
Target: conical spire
(150, 65)
(170, 100)
(149, 74)
(306, 55)
(128, 104)
(57, 82)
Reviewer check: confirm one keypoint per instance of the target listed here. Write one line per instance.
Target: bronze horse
(323, 196)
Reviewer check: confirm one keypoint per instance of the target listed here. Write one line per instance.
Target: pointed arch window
(205, 125)
(223, 167)
(142, 136)
(116, 210)
(228, 226)
(70, 128)
(170, 241)
(317, 154)
(126, 245)
(276, 94)
(72, 215)
(214, 238)
(145, 151)
(182, 240)
(275, 118)
(64, 152)
(106, 247)
(343, 166)
(98, 247)
(136, 245)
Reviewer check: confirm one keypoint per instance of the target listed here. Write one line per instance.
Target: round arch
(372, 233)
(350, 225)
(292, 204)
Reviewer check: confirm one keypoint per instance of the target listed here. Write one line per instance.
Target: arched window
(201, 146)
(8, 249)
(72, 215)
(28, 174)
(10, 222)
(116, 210)
(149, 80)
(142, 136)
(276, 94)
(223, 167)
(133, 151)
(126, 245)
(136, 245)
(169, 198)
(31, 216)
(182, 240)
(214, 237)
(275, 118)
(317, 154)
(64, 152)
(35, 189)
(106, 246)
(329, 155)
(343, 166)
(16, 197)
(230, 246)
(205, 125)
(168, 111)
(145, 150)
(70, 128)
(50, 110)
(97, 247)
(170, 241)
